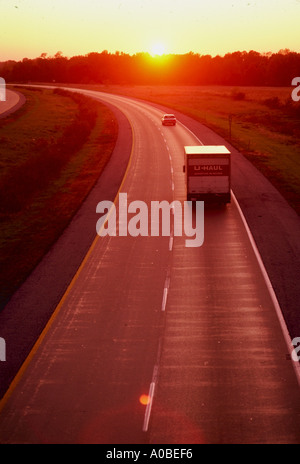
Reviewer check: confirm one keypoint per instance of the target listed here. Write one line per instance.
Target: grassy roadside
(265, 124)
(52, 152)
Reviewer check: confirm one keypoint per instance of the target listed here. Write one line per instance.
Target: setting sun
(159, 28)
(158, 49)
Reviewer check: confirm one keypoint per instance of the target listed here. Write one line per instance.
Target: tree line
(237, 68)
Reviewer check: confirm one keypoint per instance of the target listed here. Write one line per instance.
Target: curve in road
(193, 330)
(14, 100)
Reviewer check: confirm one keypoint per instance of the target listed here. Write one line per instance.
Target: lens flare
(145, 399)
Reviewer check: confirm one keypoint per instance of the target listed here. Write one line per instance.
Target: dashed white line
(149, 407)
(165, 297)
(152, 389)
(165, 294)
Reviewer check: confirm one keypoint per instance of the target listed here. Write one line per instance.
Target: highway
(155, 342)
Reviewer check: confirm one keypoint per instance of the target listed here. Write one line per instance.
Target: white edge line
(191, 132)
(286, 334)
(283, 325)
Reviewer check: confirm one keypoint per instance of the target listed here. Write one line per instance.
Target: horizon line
(59, 53)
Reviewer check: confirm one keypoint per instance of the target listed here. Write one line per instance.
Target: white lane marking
(152, 388)
(171, 241)
(165, 297)
(165, 294)
(272, 293)
(149, 406)
(197, 138)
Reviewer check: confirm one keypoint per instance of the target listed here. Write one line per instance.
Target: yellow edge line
(41, 337)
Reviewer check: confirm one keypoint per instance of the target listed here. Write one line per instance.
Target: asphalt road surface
(155, 342)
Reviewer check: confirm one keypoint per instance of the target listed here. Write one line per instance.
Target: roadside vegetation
(238, 68)
(52, 152)
(263, 123)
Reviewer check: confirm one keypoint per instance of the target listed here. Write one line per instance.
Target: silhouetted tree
(238, 68)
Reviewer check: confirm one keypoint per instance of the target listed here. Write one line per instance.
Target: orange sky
(31, 27)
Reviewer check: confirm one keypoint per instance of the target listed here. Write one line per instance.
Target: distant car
(168, 120)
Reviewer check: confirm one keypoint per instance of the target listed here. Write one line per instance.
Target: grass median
(52, 152)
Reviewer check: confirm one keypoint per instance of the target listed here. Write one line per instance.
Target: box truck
(208, 173)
